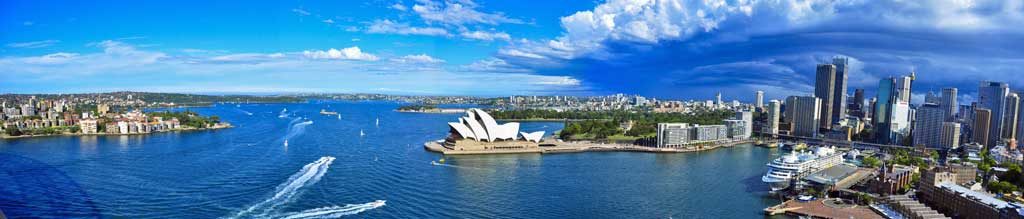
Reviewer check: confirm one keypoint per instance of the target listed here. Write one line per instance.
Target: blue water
(329, 170)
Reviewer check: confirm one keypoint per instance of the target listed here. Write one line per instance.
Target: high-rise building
(718, 99)
(928, 125)
(839, 93)
(857, 106)
(748, 119)
(902, 87)
(892, 114)
(982, 124)
(806, 115)
(824, 89)
(773, 117)
(673, 134)
(948, 104)
(950, 135)
(1010, 116)
(992, 96)
(759, 99)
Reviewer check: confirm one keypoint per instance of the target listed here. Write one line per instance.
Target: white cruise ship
(783, 170)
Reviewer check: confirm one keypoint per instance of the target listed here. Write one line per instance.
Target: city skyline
(440, 48)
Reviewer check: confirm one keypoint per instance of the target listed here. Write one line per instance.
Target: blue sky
(669, 49)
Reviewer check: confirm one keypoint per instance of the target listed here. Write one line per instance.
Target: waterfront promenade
(577, 147)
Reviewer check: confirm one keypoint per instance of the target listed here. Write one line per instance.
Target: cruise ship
(783, 170)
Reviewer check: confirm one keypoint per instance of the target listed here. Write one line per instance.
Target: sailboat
(361, 134)
(378, 121)
(339, 116)
(286, 142)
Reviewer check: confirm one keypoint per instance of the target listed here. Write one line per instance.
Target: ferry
(783, 170)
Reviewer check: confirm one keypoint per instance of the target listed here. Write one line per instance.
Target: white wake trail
(333, 211)
(308, 175)
(296, 129)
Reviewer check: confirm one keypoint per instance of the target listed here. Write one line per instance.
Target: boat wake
(286, 192)
(296, 128)
(333, 211)
(244, 112)
(293, 187)
(283, 114)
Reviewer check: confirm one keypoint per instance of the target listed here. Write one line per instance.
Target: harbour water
(328, 169)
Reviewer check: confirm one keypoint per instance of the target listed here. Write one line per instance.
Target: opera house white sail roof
(480, 126)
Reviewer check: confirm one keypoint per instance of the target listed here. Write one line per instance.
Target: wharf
(828, 208)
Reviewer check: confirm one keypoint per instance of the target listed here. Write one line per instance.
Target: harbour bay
(329, 169)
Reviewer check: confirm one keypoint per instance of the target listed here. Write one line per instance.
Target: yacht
(783, 170)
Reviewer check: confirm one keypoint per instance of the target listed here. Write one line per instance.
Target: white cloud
(33, 44)
(301, 12)
(304, 71)
(352, 29)
(27, 23)
(328, 21)
(391, 27)
(399, 6)
(350, 53)
(421, 58)
(486, 36)
(648, 22)
(458, 13)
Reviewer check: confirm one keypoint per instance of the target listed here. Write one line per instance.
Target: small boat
(286, 143)
(441, 160)
(339, 116)
(378, 121)
(325, 112)
(361, 133)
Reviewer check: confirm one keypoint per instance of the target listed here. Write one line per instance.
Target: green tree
(871, 162)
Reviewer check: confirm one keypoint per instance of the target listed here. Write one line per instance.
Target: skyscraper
(806, 113)
(948, 104)
(1010, 116)
(773, 117)
(928, 125)
(718, 99)
(839, 93)
(857, 107)
(759, 99)
(824, 89)
(992, 96)
(982, 123)
(892, 113)
(950, 135)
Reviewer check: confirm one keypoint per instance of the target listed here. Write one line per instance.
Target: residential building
(88, 126)
(773, 117)
(950, 136)
(673, 134)
(1010, 116)
(806, 115)
(928, 125)
(759, 99)
(982, 124)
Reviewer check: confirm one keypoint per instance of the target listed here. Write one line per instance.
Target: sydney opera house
(479, 131)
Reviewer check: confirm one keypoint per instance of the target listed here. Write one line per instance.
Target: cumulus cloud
(421, 58)
(486, 36)
(350, 53)
(458, 13)
(328, 21)
(391, 27)
(733, 43)
(33, 44)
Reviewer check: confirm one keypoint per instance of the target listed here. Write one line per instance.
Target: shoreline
(6, 137)
(579, 147)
